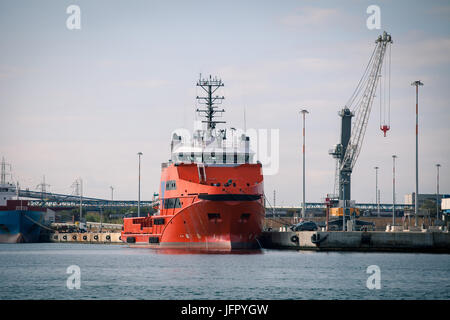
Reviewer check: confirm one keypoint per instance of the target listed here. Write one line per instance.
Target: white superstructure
(227, 146)
(7, 190)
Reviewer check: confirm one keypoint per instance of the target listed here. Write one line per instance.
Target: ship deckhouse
(207, 149)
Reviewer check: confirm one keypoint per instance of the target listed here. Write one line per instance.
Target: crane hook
(385, 128)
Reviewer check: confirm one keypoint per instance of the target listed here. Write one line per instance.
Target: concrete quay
(368, 241)
(86, 237)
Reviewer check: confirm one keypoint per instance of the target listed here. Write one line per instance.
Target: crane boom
(359, 106)
(363, 105)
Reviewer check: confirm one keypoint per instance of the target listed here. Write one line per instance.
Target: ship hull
(19, 226)
(211, 225)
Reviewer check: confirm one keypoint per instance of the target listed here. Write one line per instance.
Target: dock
(86, 237)
(366, 241)
(363, 241)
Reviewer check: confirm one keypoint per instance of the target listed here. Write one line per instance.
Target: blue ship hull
(19, 225)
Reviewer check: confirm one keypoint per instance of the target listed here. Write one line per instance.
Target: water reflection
(187, 251)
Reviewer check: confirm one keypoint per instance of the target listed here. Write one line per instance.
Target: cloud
(421, 53)
(311, 17)
(8, 72)
(443, 10)
(149, 83)
(260, 77)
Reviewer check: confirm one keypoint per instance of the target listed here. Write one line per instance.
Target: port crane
(352, 135)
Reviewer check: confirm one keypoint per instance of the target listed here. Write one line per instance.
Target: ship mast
(210, 86)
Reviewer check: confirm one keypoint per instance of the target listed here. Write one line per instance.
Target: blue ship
(19, 222)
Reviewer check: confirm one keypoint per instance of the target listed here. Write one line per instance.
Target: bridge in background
(63, 201)
(361, 206)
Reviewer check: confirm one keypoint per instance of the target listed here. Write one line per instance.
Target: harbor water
(39, 271)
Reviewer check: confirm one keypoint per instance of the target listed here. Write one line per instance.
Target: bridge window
(172, 203)
(171, 185)
(159, 221)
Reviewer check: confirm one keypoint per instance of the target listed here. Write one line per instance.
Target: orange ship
(211, 193)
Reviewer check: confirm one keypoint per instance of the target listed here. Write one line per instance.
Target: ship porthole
(108, 237)
(74, 237)
(294, 238)
(96, 237)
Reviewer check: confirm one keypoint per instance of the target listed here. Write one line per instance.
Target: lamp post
(81, 198)
(437, 191)
(416, 198)
(377, 200)
(139, 185)
(273, 209)
(304, 112)
(393, 189)
(112, 197)
(101, 219)
(233, 145)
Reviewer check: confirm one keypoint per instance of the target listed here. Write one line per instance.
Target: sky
(83, 102)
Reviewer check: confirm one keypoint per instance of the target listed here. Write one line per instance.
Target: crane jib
(359, 106)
